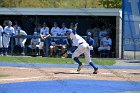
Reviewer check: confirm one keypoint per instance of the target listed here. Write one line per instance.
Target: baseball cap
(18, 28)
(89, 33)
(35, 33)
(69, 31)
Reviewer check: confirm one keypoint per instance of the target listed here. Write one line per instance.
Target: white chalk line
(13, 79)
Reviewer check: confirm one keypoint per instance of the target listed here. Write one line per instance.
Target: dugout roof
(61, 11)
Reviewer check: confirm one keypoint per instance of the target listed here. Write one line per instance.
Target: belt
(80, 43)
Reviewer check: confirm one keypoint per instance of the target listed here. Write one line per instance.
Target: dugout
(87, 18)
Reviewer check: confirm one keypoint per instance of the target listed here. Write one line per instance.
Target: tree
(111, 3)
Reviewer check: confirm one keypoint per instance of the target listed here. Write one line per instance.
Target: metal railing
(47, 41)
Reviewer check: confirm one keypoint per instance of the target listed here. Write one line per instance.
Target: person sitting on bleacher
(63, 29)
(61, 45)
(33, 48)
(55, 31)
(105, 43)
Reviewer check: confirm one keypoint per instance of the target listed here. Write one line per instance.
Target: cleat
(79, 67)
(95, 71)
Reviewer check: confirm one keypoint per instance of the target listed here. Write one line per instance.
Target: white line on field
(106, 73)
(13, 79)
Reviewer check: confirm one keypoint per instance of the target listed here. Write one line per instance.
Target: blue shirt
(90, 41)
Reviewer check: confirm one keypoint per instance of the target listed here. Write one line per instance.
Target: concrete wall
(131, 54)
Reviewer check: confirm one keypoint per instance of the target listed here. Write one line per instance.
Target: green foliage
(111, 3)
(60, 3)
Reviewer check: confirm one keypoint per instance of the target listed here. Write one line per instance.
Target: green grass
(24, 59)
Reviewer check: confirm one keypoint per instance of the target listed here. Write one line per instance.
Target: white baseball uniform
(63, 31)
(7, 33)
(1, 31)
(83, 47)
(21, 40)
(106, 44)
(55, 31)
(44, 31)
(35, 42)
(102, 33)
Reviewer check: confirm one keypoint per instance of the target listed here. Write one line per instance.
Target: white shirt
(76, 39)
(103, 32)
(106, 41)
(21, 32)
(44, 31)
(35, 41)
(55, 31)
(63, 31)
(9, 31)
(1, 30)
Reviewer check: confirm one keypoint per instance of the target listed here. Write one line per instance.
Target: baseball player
(20, 41)
(44, 30)
(34, 44)
(73, 26)
(16, 26)
(63, 29)
(44, 33)
(7, 33)
(90, 41)
(106, 43)
(82, 47)
(55, 31)
(1, 45)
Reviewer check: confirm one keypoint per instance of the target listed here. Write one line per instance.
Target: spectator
(20, 42)
(33, 48)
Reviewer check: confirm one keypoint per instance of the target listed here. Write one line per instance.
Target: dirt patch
(20, 74)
